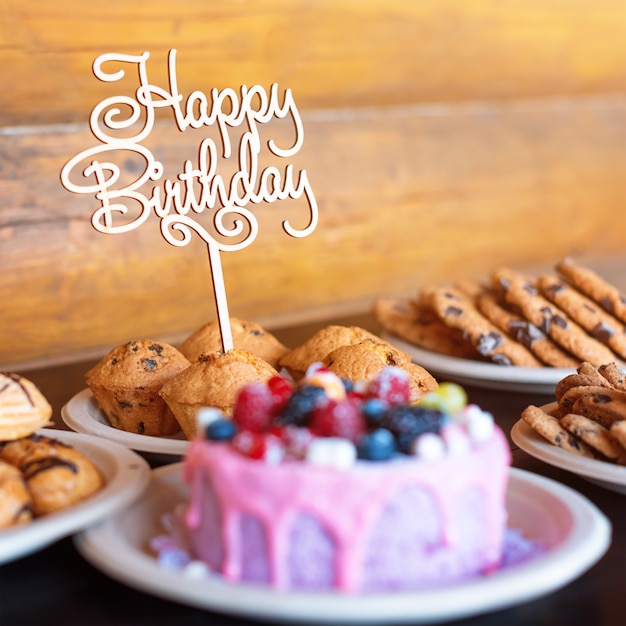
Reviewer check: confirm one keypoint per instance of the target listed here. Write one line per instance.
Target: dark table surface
(56, 585)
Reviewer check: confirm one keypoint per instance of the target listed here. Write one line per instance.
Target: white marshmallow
(332, 451)
(429, 447)
(206, 415)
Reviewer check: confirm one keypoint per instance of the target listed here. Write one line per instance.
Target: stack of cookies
(589, 416)
(513, 318)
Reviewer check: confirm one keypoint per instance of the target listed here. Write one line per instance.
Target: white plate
(83, 415)
(605, 474)
(574, 531)
(126, 475)
(479, 374)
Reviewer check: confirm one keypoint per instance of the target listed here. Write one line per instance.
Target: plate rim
(130, 478)
(532, 443)
(479, 373)
(587, 541)
(75, 415)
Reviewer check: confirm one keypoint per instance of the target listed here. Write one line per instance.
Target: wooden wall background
(442, 138)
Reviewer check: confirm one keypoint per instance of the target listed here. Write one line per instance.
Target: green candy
(448, 398)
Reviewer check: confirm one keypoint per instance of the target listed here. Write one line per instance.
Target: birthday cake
(325, 484)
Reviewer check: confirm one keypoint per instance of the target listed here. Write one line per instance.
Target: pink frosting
(347, 504)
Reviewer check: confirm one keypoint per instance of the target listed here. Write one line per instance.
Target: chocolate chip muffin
(214, 380)
(247, 336)
(126, 385)
(315, 349)
(365, 360)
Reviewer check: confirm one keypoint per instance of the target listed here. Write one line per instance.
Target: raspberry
(338, 419)
(295, 439)
(280, 390)
(253, 409)
(391, 386)
(259, 446)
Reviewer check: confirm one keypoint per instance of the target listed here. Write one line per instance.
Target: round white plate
(479, 374)
(83, 415)
(575, 533)
(126, 475)
(605, 474)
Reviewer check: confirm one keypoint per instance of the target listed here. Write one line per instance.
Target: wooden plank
(406, 196)
(333, 54)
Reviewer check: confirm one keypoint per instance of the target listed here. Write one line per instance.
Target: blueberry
(378, 445)
(373, 411)
(300, 405)
(221, 429)
(348, 384)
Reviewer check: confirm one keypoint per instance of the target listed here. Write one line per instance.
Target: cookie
(614, 375)
(420, 325)
(585, 312)
(595, 436)
(618, 431)
(604, 406)
(23, 408)
(569, 397)
(586, 376)
(550, 429)
(16, 505)
(457, 310)
(519, 291)
(471, 287)
(57, 475)
(524, 332)
(591, 284)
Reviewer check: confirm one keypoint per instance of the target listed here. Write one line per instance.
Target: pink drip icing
(347, 504)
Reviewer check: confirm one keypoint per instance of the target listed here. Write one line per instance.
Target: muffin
(23, 408)
(247, 336)
(365, 360)
(214, 380)
(126, 385)
(315, 349)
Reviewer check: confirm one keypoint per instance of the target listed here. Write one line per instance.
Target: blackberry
(300, 405)
(408, 422)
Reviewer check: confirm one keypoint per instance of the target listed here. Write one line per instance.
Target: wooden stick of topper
(122, 123)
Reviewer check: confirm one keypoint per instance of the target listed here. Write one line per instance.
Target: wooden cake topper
(122, 123)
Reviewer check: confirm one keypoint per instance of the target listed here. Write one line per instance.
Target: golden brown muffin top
(145, 364)
(246, 335)
(321, 343)
(363, 361)
(215, 378)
